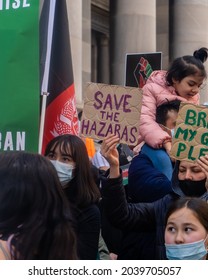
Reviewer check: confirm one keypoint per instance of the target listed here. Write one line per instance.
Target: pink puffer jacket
(155, 93)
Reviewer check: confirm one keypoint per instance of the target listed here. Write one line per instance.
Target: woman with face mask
(186, 231)
(189, 179)
(69, 156)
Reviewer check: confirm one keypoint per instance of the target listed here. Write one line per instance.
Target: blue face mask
(64, 171)
(187, 251)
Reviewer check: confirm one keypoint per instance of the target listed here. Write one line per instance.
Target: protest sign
(190, 139)
(111, 109)
(19, 72)
(139, 67)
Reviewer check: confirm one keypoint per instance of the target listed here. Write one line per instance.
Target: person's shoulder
(157, 76)
(140, 157)
(163, 202)
(155, 84)
(140, 163)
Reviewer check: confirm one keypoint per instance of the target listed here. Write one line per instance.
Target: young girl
(182, 81)
(186, 231)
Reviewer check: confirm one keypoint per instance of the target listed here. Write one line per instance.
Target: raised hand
(110, 152)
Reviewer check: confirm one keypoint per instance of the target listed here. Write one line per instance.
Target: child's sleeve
(149, 129)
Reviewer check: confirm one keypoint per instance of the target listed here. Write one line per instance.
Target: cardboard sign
(139, 66)
(190, 139)
(111, 109)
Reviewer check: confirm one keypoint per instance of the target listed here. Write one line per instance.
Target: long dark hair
(82, 189)
(187, 65)
(34, 213)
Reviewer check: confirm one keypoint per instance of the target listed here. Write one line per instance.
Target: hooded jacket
(156, 92)
(140, 217)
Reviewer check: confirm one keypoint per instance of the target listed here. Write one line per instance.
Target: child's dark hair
(187, 65)
(198, 206)
(162, 110)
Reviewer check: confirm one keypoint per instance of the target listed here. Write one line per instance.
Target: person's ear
(174, 81)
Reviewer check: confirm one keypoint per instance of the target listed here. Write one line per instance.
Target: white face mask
(64, 171)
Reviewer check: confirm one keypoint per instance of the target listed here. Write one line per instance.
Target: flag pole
(44, 88)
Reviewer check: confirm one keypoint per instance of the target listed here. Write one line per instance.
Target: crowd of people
(65, 205)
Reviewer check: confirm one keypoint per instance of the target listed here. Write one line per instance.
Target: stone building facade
(103, 31)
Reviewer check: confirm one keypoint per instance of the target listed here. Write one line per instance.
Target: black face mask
(193, 188)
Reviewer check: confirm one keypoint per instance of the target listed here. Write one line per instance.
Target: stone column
(79, 15)
(133, 30)
(103, 60)
(94, 56)
(162, 17)
(188, 26)
(188, 29)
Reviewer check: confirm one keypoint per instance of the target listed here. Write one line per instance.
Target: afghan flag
(56, 72)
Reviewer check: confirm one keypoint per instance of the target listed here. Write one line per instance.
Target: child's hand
(167, 146)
